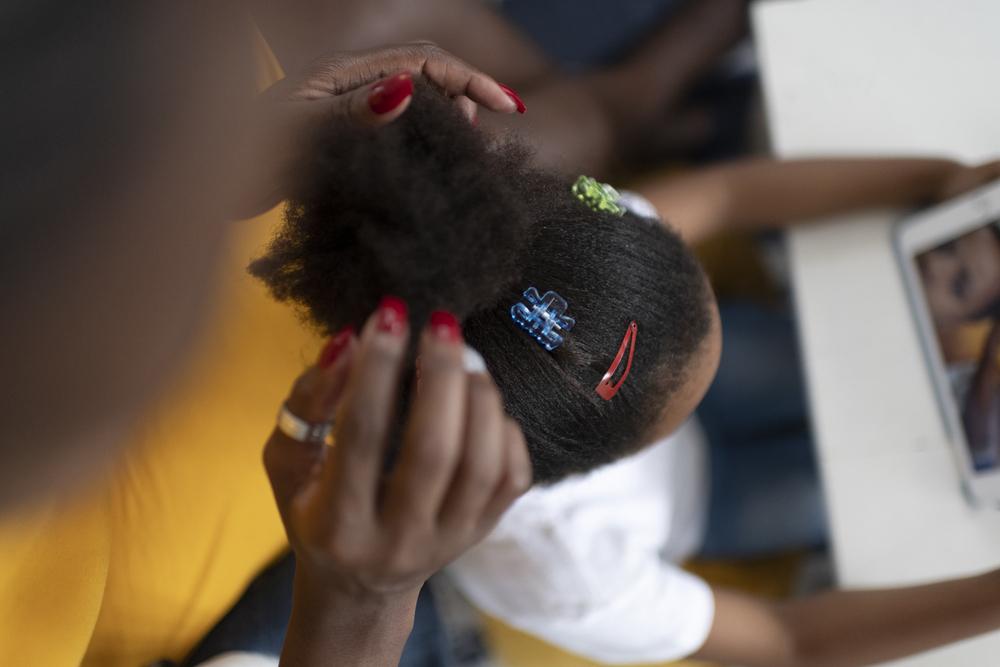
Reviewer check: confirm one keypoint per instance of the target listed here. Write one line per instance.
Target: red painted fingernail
(392, 315)
(514, 96)
(335, 347)
(445, 326)
(389, 93)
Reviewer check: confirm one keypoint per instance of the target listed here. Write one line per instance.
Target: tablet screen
(961, 283)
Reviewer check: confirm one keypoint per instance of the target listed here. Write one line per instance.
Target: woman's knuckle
(520, 474)
(398, 555)
(397, 563)
(483, 477)
(430, 453)
(520, 478)
(414, 548)
(425, 45)
(344, 549)
(357, 424)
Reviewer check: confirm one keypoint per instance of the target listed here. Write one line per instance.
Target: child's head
(426, 209)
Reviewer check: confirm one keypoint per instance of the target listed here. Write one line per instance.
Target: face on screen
(962, 277)
(961, 280)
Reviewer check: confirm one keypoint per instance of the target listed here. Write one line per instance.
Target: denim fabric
(257, 623)
(765, 495)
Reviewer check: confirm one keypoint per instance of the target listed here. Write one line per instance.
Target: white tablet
(950, 257)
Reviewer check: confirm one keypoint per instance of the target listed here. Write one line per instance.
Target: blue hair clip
(544, 317)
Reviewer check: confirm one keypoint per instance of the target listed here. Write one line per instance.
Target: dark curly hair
(429, 210)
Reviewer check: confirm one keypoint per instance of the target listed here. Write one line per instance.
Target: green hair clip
(598, 196)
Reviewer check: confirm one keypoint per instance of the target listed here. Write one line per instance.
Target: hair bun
(424, 209)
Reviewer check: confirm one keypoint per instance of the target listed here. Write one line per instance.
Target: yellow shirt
(142, 567)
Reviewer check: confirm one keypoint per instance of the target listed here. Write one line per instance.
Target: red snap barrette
(605, 389)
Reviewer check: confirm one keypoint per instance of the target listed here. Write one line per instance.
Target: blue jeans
(578, 34)
(257, 623)
(766, 495)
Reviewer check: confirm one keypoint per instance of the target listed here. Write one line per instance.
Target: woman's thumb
(378, 104)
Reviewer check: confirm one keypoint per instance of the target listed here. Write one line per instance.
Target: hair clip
(604, 388)
(544, 317)
(598, 196)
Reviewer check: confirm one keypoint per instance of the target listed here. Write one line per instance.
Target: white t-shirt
(589, 563)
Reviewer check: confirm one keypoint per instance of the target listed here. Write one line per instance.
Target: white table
(877, 77)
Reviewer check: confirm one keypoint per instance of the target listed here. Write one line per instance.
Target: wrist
(321, 594)
(352, 624)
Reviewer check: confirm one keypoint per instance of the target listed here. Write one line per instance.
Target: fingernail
(389, 93)
(445, 327)
(392, 315)
(335, 347)
(514, 96)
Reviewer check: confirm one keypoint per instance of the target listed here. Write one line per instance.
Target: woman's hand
(963, 178)
(365, 539)
(332, 76)
(369, 88)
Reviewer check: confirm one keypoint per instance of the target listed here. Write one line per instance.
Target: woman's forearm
(298, 31)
